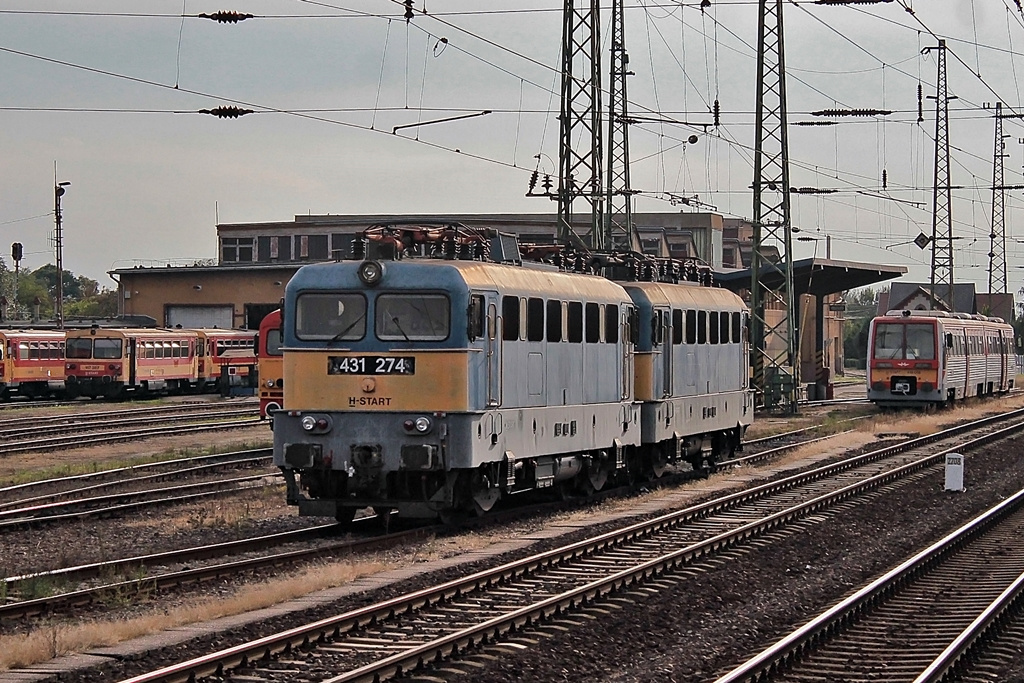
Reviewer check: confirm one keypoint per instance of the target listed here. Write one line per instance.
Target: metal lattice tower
(942, 208)
(997, 238)
(619, 231)
(773, 307)
(580, 163)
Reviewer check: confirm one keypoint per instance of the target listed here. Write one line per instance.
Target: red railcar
(271, 364)
(111, 362)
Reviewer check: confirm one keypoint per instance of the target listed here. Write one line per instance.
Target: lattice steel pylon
(619, 230)
(774, 345)
(942, 206)
(997, 237)
(580, 175)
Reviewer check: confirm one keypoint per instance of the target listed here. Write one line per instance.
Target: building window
(318, 247)
(236, 250)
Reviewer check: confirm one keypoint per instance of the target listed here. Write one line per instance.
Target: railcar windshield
(79, 347)
(272, 339)
(330, 317)
(412, 317)
(106, 348)
(898, 341)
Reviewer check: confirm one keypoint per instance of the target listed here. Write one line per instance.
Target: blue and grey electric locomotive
(432, 385)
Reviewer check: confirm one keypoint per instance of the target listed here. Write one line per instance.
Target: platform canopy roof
(817, 276)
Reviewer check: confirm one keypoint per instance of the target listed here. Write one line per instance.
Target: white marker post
(954, 472)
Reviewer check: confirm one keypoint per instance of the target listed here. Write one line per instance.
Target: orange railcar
(111, 362)
(32, 363)
(271, 364)
(229, 353)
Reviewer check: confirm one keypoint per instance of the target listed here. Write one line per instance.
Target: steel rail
(113, 437)
(965, 646)
(328, 629)
(161, 476)
(10, 519)
(85, 596)
(797, 643)
(78, 426)
(156, 464)
(142, 411)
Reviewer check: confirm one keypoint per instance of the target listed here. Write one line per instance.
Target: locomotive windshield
(896, 341)
(273, 342)
(412, 317)
(331, 317)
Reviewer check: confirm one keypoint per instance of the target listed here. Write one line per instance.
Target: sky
(105, 94)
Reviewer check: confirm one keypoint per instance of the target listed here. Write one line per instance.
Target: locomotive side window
(737, 328)
(554, 321)
(330, 317)
(677, 326)
(412, 317)
(575, 321)
(475, 326)
(723, 327)
(714, 328)
(593, 321)
(691, 327)
(534, 319)
(510, 318)
(611, 324)
(702, 327)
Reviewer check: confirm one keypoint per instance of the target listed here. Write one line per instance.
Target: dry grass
(54, 639)
(27, 467)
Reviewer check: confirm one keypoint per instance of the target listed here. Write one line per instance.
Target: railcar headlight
(308, 423)
(371, 272)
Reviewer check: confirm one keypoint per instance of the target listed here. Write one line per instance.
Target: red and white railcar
(922, 358)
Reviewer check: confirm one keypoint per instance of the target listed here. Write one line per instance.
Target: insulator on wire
(920, 103)
(885, 179)
(226, 112)
(547, 183)
(533, 182)
(408, 11)
(227, 17)
(716, 111)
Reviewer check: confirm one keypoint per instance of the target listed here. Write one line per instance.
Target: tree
(861, 305)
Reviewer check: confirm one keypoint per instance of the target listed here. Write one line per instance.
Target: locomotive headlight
(308, 423)
(422, 424)
(371, 272)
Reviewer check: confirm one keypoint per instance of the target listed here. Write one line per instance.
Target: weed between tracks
(36, 467)
(51, 639)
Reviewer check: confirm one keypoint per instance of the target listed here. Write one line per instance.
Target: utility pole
(942, 207)
(997, 238)
(776, 369)
(619, 231)
(58, 192)
(580, 168)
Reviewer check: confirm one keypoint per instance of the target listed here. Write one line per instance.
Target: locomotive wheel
(659, 462)
(383, 517)
(484, 498)
(598, 472)
(345, 515)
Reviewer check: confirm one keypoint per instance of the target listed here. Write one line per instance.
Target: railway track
(43, 426)
(926, 620)
(406, 633)
(187, 466)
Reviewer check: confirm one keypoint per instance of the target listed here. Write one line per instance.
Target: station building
(256, 260)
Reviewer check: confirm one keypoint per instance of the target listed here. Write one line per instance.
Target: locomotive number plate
(371, 365)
